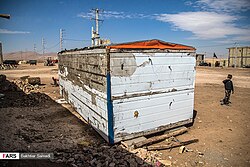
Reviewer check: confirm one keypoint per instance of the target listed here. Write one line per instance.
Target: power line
(43, 45)
(228, 44)
(76, 40)
(53, 46)
(214, 45)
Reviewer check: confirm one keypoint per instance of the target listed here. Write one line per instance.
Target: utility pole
(61, 39)
(1, 54)
(21, 55)
(43, 45)
(6, 16)
(95, 38)
(35, 49)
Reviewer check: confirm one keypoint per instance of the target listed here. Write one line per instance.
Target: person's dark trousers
(227, 96)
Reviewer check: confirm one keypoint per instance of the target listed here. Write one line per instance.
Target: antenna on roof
(95, 38)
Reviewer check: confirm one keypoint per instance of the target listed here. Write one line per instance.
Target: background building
(239, 56)
(199, 58)
(219, 62)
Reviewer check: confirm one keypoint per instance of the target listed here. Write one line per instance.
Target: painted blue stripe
(110, 111)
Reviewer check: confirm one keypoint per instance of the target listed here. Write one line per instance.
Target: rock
(106, 163)
(83, 143)
(139, 161)
(132, 162)
(99, 164)
(70, 160)
(2, 78)
(105, 147)
(118, 155)
(112, 164)
(59, 161)
(58, 153)
(127, 157)
(74, 165)
(93, 162)
(182, 149)
(23, 78)
(33, 80)
(200, 162)
(77, 156)
(166, 162)
(2, 95)
(200, 154)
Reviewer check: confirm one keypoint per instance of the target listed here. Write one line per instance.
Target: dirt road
(35, 123)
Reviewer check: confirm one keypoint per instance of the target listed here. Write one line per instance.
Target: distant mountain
(27, 56)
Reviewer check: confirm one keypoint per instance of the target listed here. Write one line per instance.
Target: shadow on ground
(35, 123)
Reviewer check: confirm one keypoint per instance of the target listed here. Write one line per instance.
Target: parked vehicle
(32, 62)
(49, 62)
(10, 62)
(203, 64)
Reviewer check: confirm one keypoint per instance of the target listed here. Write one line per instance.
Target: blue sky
(209, 25)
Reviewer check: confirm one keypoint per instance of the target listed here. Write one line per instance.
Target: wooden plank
(162, 147)
(130, 143)
(120, 137)
(160, 138)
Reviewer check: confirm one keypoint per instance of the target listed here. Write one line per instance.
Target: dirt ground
(36, 123)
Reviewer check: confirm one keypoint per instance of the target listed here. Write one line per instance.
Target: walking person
(229, 88)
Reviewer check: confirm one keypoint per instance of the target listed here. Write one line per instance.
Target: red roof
(151, 44)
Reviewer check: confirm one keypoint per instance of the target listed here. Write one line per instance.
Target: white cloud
(189, 3)
(5, 31)
(205, 25)
(232, 6)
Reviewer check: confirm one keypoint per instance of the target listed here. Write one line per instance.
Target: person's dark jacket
(228, 84)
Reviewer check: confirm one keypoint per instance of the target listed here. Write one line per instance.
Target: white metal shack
(131, 89)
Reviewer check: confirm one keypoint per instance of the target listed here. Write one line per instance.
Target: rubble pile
(105, 155)
(28, 94)
(32, 99)
(27, 87)
(5, 85)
